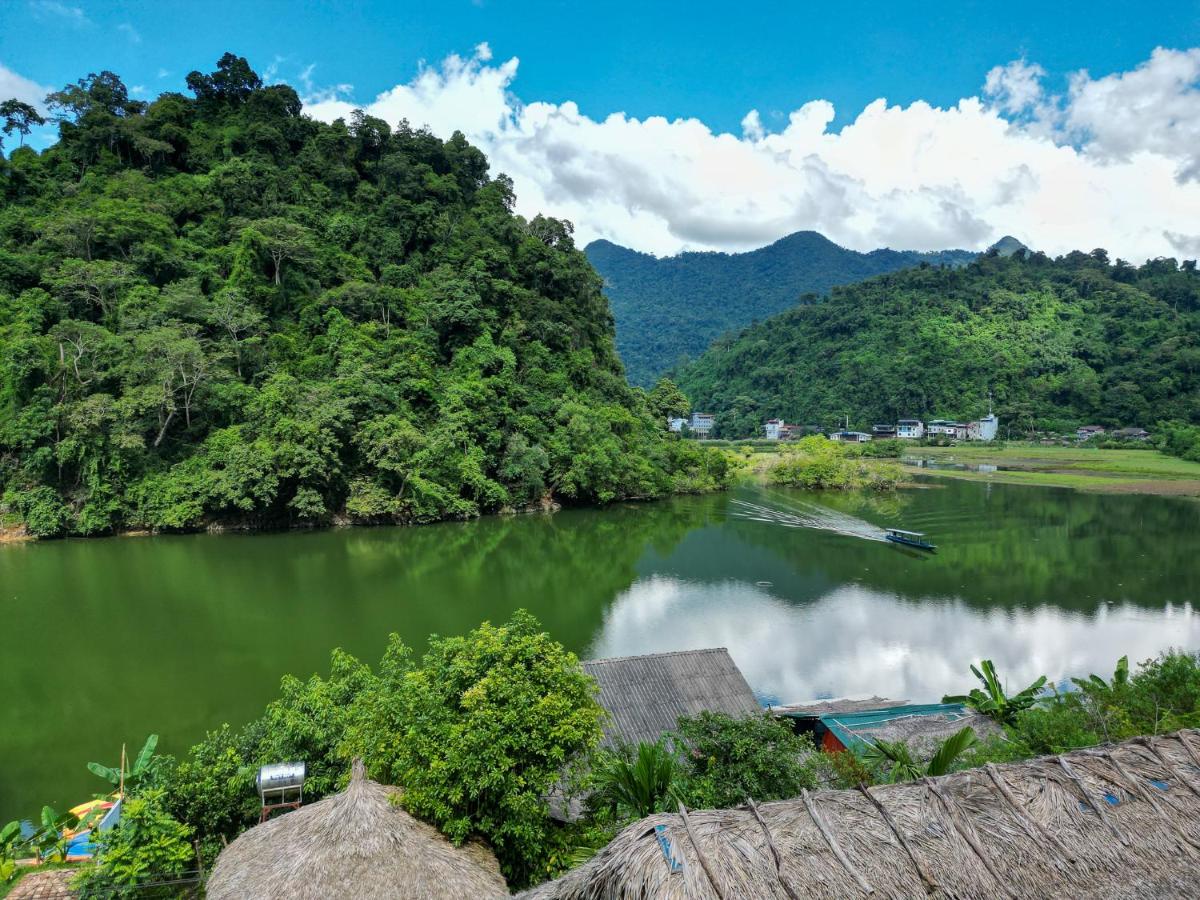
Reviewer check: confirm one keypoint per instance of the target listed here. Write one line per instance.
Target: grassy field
(1117, 471)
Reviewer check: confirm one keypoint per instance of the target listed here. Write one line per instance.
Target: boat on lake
(916, 539)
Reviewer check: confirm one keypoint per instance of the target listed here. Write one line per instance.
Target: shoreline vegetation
(215, 309)
(818, 463)
(1082, 468)
(479, 730)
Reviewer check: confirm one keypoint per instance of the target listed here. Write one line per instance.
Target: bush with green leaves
(818, 463)
(478, 731)
(628, 782)
(896, 758)
(147, 845)
(728, 759)
(993, 701)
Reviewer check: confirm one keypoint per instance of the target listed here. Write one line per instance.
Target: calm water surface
(108, 640)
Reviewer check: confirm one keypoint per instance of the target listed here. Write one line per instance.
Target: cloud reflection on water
(855, 641)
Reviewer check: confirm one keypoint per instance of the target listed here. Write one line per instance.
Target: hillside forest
(673, 307)
(216, 311)
(1057, 342)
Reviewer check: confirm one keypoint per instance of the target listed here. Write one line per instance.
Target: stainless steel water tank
(280, 776)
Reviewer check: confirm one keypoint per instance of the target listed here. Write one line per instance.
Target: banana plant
(10, 839)
(992, 701)
(641, 785)
(1094, 684)
(50, 840)
(904, 767)
(141, 769)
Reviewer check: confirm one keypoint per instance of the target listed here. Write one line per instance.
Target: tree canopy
(1058, 343)
(215, 310)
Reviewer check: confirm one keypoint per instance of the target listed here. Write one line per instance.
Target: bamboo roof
(358, 843)
(1114, 821)
(646, 695)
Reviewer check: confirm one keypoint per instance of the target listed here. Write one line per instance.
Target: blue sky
(711, 60)
(673, 126)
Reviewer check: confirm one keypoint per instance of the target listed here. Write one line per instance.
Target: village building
(701, 424)
(912, 429)
(676, 423)
(948, 428)
(645, 695)
(774, 429)
(1087, 432)
(1114, 821)
(883, 432)
(854, 725)
(850, 437)
(1130, 434)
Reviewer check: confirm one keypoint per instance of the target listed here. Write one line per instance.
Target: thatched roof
(358, 843)
(1116, 821)
(646, 695)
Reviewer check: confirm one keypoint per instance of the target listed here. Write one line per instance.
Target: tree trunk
(162, 432)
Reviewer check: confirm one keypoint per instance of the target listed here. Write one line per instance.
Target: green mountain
(1007, 246)
(672, 307)
(215, 310)
(1057, 342)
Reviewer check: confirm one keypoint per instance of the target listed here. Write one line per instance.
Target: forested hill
(216, 310)
(676, 306)
(1058, 342)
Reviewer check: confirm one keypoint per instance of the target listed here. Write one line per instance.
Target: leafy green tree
(667, 401)
(147, 845)
(19, 117)
(478, 732)
(993, 701)
(728, 759)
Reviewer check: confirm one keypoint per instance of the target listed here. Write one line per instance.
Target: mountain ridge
(670, 307)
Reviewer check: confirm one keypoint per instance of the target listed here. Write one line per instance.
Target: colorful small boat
(94, 816)
(909, 539)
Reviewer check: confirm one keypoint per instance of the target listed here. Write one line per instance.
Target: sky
(719, 126)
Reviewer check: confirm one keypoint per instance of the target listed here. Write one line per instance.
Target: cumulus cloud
(23, 89)
(1113, 162)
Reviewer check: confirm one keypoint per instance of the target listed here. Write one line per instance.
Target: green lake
(107, 640)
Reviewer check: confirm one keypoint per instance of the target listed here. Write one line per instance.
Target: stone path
(53, 884)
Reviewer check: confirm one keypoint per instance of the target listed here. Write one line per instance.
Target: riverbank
(1082, 468)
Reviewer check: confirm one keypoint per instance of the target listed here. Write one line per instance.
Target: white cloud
(23, 89)
(51, 9)
(130, 32)
(1109, 164)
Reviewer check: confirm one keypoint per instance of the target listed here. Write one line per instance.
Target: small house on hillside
(646, 695)
(1114, 821)
(1131, 434)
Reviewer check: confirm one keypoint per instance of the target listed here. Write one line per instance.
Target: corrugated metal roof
(646, 695)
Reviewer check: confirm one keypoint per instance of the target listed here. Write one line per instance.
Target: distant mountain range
(673, 307)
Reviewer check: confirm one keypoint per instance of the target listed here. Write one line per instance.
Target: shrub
(729, 759)
(479, 732)
(147, 845)
(630, 782)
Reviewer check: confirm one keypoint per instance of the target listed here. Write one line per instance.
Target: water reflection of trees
(1011, 546)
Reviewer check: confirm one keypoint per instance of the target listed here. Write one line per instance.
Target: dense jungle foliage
(676, 306)
(216, 309)
(1058, 343)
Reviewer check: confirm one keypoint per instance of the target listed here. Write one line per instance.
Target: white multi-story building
(773, 429)
(676, 423)
(702, 423)
(910, 428)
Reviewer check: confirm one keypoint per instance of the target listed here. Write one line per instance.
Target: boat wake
(799, 514)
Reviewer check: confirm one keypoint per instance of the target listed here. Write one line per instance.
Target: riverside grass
(1045, 828)
(1083, 468)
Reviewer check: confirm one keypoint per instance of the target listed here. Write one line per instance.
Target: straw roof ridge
(357, 843)
(1120, 820)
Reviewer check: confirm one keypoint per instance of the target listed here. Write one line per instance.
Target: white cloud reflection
(856, 641)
